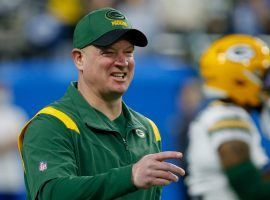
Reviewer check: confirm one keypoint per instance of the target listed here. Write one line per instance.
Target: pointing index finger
(161, 156)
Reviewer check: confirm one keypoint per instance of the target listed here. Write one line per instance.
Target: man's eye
(108, 53)
(130, 53)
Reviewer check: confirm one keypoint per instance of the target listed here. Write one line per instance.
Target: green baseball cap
(105, 26)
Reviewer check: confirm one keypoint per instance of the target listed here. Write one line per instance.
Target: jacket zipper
(125, 143)
(124, 140)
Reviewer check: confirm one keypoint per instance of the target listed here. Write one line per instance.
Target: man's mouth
(119, 75)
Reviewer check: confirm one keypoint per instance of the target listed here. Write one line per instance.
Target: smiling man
(90, 144)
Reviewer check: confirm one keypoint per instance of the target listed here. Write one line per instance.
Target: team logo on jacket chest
(42, 166)
(140, 133)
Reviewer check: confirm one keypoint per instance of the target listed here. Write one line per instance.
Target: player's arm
(233, 152)
(248, 181)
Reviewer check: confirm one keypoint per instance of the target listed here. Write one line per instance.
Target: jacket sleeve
(102, 186)
(248, 182)
(51, 166)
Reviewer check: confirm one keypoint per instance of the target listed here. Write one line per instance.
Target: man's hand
(151, 170)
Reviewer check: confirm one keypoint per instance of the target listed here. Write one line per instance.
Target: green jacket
(72, 151)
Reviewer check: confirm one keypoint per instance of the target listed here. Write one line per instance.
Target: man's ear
(77, 57)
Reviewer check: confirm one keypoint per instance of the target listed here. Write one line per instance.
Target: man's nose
(121, 60)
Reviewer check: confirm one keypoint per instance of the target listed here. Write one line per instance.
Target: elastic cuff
(124, 179)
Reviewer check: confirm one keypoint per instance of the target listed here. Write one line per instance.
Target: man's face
(108, 71)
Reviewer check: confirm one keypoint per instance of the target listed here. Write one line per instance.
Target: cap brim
(135, 36)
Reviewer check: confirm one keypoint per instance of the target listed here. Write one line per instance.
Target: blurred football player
(225, 156)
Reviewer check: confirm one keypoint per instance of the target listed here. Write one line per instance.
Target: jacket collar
(92, 118)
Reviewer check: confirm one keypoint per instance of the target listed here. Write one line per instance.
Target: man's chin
(119, 90)
(114, 95)
(118, 93)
